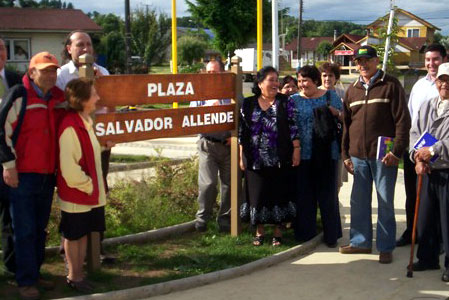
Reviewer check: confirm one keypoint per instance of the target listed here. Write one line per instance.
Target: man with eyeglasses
(423, 90)
(373, 106)
(433, 117)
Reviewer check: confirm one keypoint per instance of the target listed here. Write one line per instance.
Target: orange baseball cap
(43, 60)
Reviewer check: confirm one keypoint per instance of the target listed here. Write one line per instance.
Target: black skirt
(74, 226)
(270, 196)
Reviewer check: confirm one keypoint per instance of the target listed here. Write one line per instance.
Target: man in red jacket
(28, 154)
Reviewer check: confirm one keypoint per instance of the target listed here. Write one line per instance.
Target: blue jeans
(30, 211)
(365, 172)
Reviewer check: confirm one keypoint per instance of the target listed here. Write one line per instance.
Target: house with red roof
(414, 34)
(27, 31)
(309, 53)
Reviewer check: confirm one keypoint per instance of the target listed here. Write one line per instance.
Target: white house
(27, 31)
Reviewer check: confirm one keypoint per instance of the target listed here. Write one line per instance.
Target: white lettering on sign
(208, 119)
(132, 126)
(172, 89)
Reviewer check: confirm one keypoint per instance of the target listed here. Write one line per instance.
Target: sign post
(120, 127)
(236, 173)
(93, 239)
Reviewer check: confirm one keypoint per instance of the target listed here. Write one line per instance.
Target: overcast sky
(357, 11)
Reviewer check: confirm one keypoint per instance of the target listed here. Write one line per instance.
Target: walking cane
(415, 221)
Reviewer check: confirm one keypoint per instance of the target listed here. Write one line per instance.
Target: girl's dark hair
(288, 79)
(260, 76)
(311, 72)
(330, 67)
(77, 92)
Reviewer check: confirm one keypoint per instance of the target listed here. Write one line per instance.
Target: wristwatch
(432, 153)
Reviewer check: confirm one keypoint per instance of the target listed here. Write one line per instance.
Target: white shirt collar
(72, 68)
(429, 79)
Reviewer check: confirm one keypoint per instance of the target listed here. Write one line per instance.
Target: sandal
(277, 241)
(258, 240)
(80, 286)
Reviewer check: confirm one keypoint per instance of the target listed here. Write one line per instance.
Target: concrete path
(323, 274)
(327, 274)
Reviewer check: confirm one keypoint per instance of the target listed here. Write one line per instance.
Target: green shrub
(167, 199)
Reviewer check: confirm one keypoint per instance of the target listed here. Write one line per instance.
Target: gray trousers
(214, 162)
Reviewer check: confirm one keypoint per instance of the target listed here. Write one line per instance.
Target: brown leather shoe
(385, 257)
(348, 249)
(29, 293)
(46, 284)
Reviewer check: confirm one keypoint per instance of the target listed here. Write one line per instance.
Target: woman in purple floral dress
(269, 143)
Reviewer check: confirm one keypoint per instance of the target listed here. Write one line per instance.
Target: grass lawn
(187, 255)
(162, 69)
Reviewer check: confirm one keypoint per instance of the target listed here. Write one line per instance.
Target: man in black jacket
(7, 80)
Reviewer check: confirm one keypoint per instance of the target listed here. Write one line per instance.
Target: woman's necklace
(265, 103)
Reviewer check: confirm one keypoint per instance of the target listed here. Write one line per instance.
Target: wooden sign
(118, 90)
(151, 124)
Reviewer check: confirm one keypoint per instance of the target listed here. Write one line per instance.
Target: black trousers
(434, 218)
(9, 259)
(317, 186)
(410, 178)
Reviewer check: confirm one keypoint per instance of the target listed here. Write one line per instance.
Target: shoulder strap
(328, 98)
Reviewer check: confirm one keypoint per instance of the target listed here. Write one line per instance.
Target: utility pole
(387, 41)
(275, 33)
(299, 32)
(127, 37)
(259, 34)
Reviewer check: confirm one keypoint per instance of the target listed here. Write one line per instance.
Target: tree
(324, 48)
(312, 28)
(191, 48)
(445, 42)
(232, 21)
(188, 22)
(6, 3)
(111, 42)
(150, 35)
(394, 38)
(28, 3)
(58, 4)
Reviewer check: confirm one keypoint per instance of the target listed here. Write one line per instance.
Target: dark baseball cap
(365, 52)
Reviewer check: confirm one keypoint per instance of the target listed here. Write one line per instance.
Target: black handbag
(326, 129)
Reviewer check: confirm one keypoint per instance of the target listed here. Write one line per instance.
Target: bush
(194, 68)
(167, 199)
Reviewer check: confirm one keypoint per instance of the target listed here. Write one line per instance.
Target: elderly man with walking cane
(433, 163)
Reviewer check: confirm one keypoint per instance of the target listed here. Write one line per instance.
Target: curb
(121, 167)
(141, 237)
(199, 280)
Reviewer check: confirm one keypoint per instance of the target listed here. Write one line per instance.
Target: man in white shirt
(77, 44)
(423, 90)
